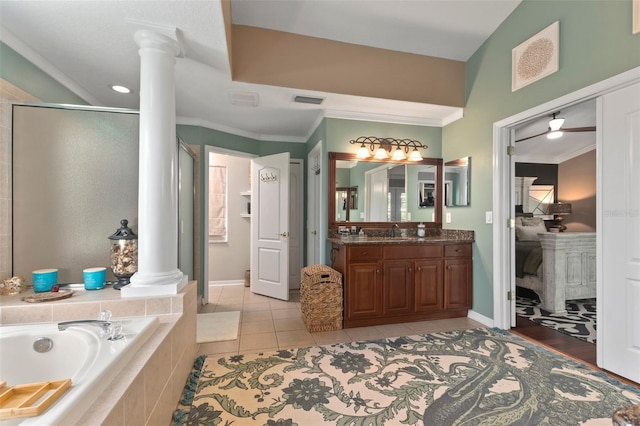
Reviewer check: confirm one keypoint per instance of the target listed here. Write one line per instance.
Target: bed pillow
(528, 228)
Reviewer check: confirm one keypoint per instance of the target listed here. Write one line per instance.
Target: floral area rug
(579, 321)
(470, 377)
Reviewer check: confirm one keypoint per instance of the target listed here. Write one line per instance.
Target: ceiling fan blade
(534, 136)
(580, 129)
(574, 129)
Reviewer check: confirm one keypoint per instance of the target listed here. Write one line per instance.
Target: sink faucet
(104, 325)
(392, 232)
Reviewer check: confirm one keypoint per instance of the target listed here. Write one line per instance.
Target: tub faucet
(392, 232)
(104, 325)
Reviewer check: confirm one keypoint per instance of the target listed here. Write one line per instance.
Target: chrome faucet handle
(114, 331)
(104, 315)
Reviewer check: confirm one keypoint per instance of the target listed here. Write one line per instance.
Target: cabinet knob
(377, 271)
(409, 269)
(419, 268)
(449, 267)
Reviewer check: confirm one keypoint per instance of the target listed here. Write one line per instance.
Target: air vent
(247, 99)
(308, 100)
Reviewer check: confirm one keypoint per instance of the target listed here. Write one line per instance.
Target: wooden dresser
(389, 282)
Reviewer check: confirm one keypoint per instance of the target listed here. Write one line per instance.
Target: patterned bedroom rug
(468, 377)
(579, 321)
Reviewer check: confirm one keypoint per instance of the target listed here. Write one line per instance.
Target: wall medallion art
(535, 58)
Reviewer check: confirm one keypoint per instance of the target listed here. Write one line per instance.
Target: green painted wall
(15, 69)
(595, 43)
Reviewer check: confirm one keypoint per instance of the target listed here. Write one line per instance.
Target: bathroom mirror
(346, 200)
(457, 182)
(383, 194)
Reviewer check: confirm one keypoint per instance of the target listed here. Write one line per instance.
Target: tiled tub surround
(147, 389)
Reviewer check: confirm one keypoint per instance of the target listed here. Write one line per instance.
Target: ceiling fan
(555, 129)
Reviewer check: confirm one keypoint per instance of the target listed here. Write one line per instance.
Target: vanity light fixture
(383, 147)
(120, 89)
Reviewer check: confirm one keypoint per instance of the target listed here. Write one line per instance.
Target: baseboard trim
(480, 318)
(225, 282)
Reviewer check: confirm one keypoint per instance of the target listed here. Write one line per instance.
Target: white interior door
(618, 302)
(296, 182)
(314, 182)
(270, 226)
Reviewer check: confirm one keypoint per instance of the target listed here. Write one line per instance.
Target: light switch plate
(448, 217)
(488, 217)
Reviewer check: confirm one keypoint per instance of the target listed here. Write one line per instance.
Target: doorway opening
(504, 193)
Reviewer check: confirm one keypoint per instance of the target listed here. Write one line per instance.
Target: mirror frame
(333, 156)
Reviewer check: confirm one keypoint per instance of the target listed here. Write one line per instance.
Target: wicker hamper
(321, 298)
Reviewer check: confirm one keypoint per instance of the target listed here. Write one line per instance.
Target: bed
(556, 266)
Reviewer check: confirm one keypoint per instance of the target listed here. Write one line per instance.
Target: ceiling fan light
(556, 124)
(415, 155)
(381, 154)
(554, 135)
(363, 152)
(398, 155)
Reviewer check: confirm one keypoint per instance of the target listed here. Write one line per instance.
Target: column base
(155, 284)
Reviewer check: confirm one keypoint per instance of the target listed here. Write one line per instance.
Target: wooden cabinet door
(397, 287)
(363, 293)
(457, 283)
(429, 292)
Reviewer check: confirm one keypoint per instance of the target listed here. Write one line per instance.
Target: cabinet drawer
(457, 250)
(366, 253)
(413, 251)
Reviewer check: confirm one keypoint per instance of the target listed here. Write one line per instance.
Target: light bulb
(363, 152)
(398, 155)
(381, 154)
(415, 155)
(554, 135)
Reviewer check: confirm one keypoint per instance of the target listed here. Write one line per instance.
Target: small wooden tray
(18, 401)
(48, 296)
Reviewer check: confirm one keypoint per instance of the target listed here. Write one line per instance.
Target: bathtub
(79, 353)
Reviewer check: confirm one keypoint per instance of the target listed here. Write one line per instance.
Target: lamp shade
(559, 208)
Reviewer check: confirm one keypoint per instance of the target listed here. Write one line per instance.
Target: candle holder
(124, 254)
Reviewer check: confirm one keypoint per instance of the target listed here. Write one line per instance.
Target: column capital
(150, 39)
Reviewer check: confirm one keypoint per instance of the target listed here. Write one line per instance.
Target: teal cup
(94, 278)
(44, 280)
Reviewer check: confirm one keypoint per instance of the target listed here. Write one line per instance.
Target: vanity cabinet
(403, 282)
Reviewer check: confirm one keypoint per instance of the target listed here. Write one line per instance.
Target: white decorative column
(158, 272)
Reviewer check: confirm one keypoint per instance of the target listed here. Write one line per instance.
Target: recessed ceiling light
(120, 89)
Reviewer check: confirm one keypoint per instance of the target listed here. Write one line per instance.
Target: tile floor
(271, 324)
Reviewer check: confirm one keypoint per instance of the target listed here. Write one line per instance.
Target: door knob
(284, 234)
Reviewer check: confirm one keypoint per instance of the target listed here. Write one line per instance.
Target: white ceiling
(555, 151)
(88, 45)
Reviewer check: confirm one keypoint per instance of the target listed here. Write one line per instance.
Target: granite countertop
(446, 237)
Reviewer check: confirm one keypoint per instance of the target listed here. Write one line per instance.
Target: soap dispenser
(421, 230)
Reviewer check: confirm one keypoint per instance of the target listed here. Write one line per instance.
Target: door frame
(299, 210)
(503, 211)
(314, 206)
(205, 220)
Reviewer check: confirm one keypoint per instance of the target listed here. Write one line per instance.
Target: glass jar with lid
(124, 254)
